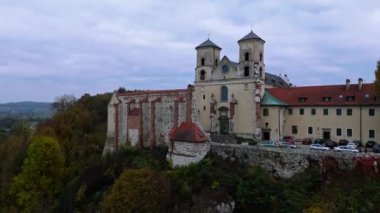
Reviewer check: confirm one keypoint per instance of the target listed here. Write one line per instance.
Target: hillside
(26, 108)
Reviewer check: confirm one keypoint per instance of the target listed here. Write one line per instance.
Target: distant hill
(26, 108)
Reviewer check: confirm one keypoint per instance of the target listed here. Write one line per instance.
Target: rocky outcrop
(282, 162)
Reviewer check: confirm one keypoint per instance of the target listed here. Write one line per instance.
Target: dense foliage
(40, 178)
(58, 168)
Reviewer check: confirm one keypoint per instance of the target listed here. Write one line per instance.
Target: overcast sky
(53, 47)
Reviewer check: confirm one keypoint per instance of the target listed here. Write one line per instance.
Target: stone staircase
(222, 139)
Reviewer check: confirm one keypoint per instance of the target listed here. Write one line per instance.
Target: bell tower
(208, 57)
(251, 57)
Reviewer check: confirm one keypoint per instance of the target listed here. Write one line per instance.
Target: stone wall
(185, 153)
(282, 162)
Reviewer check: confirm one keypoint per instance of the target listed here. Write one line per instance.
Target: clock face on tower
(225, 69)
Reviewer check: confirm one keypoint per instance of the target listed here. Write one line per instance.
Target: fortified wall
(283, 162)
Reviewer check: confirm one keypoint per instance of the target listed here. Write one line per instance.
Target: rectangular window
(371, 112)
(349, 112)
(338, 111)
(310, 130)
(294, 130)
(290, 111)
(338, 132)
(204, 97)
(301, 111)
(371, 133)
(265, 112)
(204, 108)
(349, 132)
(313, 111)
(325, 111)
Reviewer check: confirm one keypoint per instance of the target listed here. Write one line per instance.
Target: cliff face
(283, 163)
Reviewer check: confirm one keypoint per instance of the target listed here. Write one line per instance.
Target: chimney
(347, 84)
(360, 84)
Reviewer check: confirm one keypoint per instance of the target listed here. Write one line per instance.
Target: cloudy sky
(53, 47)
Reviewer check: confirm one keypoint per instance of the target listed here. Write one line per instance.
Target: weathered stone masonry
(144, 118)
(282, 162)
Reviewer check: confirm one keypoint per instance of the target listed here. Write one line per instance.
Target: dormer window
(350, 98)
(246, 56)
(326, 99)
(202, 61)
(202, 75)
(302, 99)
(246, 71)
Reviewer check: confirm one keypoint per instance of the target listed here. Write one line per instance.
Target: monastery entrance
(224, 125)
(266, 134)
(326, 134)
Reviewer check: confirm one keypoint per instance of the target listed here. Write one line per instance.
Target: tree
(377, 81)
(34, 188)
(138, 190)
(63, 102)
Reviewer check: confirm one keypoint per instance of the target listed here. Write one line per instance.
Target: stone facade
(227, 93)
(144, 118)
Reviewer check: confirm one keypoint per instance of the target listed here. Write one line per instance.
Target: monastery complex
(240, 99)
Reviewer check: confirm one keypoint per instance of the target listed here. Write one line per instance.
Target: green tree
(34, 188)
(139, 190)
(377, 81)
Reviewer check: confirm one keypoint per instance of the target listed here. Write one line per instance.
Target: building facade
(333, 112)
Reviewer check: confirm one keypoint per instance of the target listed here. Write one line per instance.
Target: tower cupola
(208, 57)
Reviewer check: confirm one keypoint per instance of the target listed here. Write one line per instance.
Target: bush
(138, 190)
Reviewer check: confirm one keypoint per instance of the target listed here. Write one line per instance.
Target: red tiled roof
(152, 92)
(315, 95)
(187, 132)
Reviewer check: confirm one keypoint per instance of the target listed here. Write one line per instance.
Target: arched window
(224, 93)
(246, 56)
(202, 61)
(202, 75)
(261, 56)
(216, 62)
(246, 71)
(261, 72)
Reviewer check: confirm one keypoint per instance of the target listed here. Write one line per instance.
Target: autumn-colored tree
(138, 190)
(377, 81)
(34, 188)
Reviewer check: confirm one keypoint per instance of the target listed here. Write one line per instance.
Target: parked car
(352, 145)
(289, 139)
(345, 149)
(358, 143)
(267, 143)
(330, 143)
(376, 148)
(286, 144)
(307, 141)
(319, 141)
(370, 144)
(343, 142)
(319, 147)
